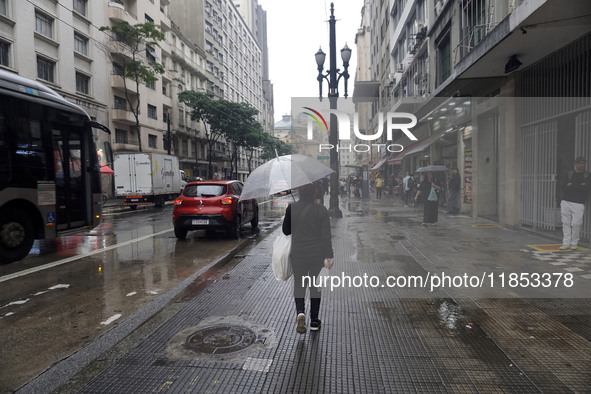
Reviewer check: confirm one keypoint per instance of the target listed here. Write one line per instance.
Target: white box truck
(147, 178)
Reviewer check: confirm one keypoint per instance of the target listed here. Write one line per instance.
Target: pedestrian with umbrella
(307, 222)
(431, 190)
(311, 244)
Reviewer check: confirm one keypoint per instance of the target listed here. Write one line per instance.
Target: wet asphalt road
(47, 314)
(464, 340)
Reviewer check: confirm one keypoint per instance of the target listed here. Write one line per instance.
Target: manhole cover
(221, 339)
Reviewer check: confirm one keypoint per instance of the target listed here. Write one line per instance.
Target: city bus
(49, 168)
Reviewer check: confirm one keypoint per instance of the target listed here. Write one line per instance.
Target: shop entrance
(537, 202)
(488, 167)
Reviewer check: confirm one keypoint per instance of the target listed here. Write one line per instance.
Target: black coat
(455, 182)
(309, 225)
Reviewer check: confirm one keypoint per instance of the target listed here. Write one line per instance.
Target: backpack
(411, 183)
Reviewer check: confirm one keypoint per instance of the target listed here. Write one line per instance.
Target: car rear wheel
(235, 229)
(180, 232)
(255, 220)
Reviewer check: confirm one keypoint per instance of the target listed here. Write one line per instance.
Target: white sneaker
(564, 247)
(301, 327)
(573, 247)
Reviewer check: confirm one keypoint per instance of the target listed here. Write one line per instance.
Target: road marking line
(78, 257)
(111, 319)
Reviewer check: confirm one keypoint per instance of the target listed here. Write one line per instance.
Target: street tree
(241, 124)
(273, 146)
(210, 111)
(253, 141)
(132, 51)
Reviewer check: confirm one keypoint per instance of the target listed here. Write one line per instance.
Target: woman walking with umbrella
(309, 225)
(430, 189)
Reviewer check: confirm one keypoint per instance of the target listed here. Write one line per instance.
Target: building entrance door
(537, 202)
(488, 166)
(583, 148)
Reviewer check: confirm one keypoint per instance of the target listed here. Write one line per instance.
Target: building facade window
(80, 6)
(118, 69)
(82, 83)
(81, 44)
(151, 85)
(3, 7)
(121, 136)
(4, 53)
(148, 19)
(181, 117)
(443, 59)
(152, 112)
(120, 103)
(150, 53)
(152, 141)
(43, 24)
(45, 69)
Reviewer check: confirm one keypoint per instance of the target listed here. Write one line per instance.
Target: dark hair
(307, 192)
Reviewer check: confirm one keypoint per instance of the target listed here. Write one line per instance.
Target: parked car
(213, 205)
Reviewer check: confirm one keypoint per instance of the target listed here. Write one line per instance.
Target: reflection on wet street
(90, 281)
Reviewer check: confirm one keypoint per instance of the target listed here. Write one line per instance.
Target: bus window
(29, 155)
(4, 149)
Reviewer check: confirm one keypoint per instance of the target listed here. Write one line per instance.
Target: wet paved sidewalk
(238, 334)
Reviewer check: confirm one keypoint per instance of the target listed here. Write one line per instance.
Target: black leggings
(308, 268)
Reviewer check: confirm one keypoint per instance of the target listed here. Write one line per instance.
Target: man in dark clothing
(454, 188)
(311, 243)
(572, 207)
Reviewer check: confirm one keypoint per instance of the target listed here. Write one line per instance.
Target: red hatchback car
(213, 205)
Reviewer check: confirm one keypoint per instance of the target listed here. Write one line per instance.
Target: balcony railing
(122, 116)
(118, 12)
(118, 83)
(477, 19)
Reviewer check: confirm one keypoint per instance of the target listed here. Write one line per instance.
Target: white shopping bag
(281, 262)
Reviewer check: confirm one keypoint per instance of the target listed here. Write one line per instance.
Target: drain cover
(222, 339)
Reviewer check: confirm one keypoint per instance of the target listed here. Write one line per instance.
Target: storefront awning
(419, 146)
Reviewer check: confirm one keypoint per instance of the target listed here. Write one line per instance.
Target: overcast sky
(295, 31)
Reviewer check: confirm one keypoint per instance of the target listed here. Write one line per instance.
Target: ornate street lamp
(333, 76)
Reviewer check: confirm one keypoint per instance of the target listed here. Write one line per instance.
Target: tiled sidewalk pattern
(379, 339)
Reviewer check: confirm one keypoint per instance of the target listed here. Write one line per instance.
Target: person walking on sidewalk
(379, 186)
(407, 196)
(311, 243)
(572, 207)
(454, 188)
(430, 189)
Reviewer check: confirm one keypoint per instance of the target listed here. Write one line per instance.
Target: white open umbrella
(432, 169)
(283, 173)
